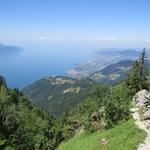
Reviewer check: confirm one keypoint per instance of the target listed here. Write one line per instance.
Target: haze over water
(35, 62)
(109, 23)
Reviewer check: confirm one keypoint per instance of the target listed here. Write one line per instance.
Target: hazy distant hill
(56, 94)
(102, 59)
(113, 73)
(6, 50)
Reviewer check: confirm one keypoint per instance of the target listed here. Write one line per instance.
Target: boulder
(146, 115)
(141, 98)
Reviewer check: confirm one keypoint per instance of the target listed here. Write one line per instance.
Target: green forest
(25, 126)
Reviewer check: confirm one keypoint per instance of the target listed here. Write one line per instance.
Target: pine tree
(143, 84)
(138, 74)
(2, 81)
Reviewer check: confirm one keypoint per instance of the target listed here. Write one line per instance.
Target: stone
(141, 114)
(104, 141)
(133, 110)
(141, 98)
(146, 115)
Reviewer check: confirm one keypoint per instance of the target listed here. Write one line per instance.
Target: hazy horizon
(35, 62)
(58, 34)
(109, 23)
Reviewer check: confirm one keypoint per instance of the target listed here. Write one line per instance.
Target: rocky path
(140, 120)
(141, 125)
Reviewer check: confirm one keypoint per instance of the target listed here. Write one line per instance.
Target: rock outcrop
(141, 98)
(146, 115)
(141, 101)
(141, 114)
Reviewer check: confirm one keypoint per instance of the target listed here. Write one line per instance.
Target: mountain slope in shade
(55, 94)
(113, 73)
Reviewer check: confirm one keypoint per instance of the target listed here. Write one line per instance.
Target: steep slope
(113, 73)
(126, 136)
(23, 126)
(55, 94)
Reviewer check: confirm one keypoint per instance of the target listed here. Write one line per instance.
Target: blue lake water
(35, 62)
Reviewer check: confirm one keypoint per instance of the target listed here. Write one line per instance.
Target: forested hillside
(103, 114)
(57, 94)
(23, 126)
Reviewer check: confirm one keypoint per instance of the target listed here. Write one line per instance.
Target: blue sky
(103, 22)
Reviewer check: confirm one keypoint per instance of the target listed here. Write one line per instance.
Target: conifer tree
(138, 74)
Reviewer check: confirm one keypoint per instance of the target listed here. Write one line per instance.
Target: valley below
(92, 110)
(74, 75)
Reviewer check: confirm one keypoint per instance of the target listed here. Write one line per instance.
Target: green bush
(23, 126)
(117, 104)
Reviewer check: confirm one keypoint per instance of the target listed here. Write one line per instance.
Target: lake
(35, 62)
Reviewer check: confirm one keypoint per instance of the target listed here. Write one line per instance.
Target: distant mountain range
(101, 59)
(113, 73)
(6, 50)
(55, 94)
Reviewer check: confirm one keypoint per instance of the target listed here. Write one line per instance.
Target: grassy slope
(123, 137)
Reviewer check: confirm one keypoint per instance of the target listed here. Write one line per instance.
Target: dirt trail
(141, 125)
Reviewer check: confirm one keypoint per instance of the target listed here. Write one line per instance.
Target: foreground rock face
(141, 101)
(141, 98)
(141, 114)
(146, 115)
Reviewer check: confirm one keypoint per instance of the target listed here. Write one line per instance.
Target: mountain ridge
(57, 93)
(113, 73)
(101, 59)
